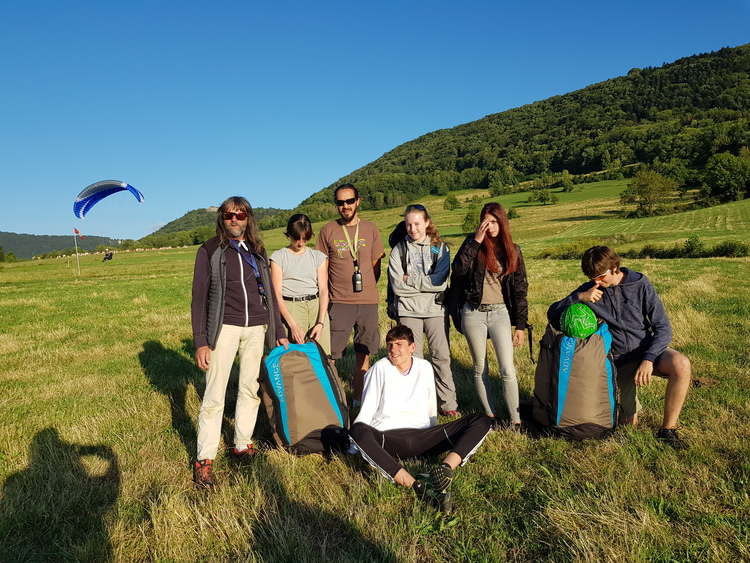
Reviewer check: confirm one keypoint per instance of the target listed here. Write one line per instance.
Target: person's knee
(480, 371)
(508, 375)
(212, 408)
(359, 431)
(679, 367)
(483, 421)
(683, 366)
(477, 420)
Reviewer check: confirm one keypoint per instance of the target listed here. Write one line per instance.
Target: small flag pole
(75, 241)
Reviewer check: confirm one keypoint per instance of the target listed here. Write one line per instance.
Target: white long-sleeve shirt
(393, 400)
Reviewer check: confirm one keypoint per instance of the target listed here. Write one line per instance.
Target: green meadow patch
(99, 398)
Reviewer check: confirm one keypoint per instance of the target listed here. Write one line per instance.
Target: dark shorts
(363, 319)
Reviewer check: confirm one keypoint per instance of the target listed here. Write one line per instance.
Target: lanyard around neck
(352, 249)
(251, 260)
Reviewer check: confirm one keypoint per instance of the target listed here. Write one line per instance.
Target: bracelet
(320, 323)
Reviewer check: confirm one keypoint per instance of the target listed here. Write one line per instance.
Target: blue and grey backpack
(575, 390)
(304, 400)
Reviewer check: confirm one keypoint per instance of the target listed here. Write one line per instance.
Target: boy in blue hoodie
(641, 333)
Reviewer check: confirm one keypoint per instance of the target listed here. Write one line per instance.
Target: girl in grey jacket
(418, 271)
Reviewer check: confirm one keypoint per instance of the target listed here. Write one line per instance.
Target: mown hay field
(99, 396)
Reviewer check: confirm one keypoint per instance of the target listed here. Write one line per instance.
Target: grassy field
(99, 396)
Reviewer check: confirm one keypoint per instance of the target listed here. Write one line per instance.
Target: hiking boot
(246, 454)
(441, 501)
(669, 437)
(439, 478)
(203, 476)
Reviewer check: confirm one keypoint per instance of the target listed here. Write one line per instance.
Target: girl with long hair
(418, 275)
(489, 268)
(300, 279)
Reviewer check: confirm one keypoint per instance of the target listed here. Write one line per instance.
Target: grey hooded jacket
(416, 296)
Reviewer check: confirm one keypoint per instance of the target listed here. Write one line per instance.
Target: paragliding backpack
(304, 400)
(575, 390)
(396, 238)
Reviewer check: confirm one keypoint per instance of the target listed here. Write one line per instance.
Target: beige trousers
(248, 342)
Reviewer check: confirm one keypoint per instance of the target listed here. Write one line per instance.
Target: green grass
(99, 397)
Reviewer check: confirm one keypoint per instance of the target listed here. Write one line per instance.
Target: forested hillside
(676, 116)
(25, 246)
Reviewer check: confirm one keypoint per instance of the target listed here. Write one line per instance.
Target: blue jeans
(476, 326)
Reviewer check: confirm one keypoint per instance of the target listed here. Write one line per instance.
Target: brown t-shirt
(332, 242)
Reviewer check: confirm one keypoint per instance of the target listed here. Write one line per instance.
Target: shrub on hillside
(471, 221)
(692, 247)
(451, 202)
(569, 250)
(543, 196)
(731, 249)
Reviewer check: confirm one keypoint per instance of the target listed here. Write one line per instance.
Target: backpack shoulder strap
(403, 248)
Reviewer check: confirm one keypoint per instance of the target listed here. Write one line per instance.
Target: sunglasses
(342, 202)
(417, 206)
(600, 276)
(240, 215)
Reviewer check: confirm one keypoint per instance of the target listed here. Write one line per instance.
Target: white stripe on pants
(248, 341)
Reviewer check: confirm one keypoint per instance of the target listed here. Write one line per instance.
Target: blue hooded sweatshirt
(635, 315)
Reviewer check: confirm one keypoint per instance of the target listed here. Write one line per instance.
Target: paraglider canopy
(96, 192)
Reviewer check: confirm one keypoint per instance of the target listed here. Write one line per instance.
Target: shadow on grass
(54, 510)
(292, 530)
(173, 374)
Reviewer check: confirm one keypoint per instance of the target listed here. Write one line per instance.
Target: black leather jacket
(469, 274)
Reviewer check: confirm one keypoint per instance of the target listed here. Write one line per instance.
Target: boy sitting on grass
(641, 333)
(398, 420)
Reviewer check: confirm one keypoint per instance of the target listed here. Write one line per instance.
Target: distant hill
(679, 114)
(27, 246)
(207, 218)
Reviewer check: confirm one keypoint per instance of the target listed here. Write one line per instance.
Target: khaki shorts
(306, 315)
(363, 319)
(628, 391)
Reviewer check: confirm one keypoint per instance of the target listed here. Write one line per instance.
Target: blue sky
(192, 102)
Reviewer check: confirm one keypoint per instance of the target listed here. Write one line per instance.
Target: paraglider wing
(98, 191)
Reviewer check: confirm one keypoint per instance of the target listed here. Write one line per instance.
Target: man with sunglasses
(354, 249)
(627, 301)
(234, 309)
